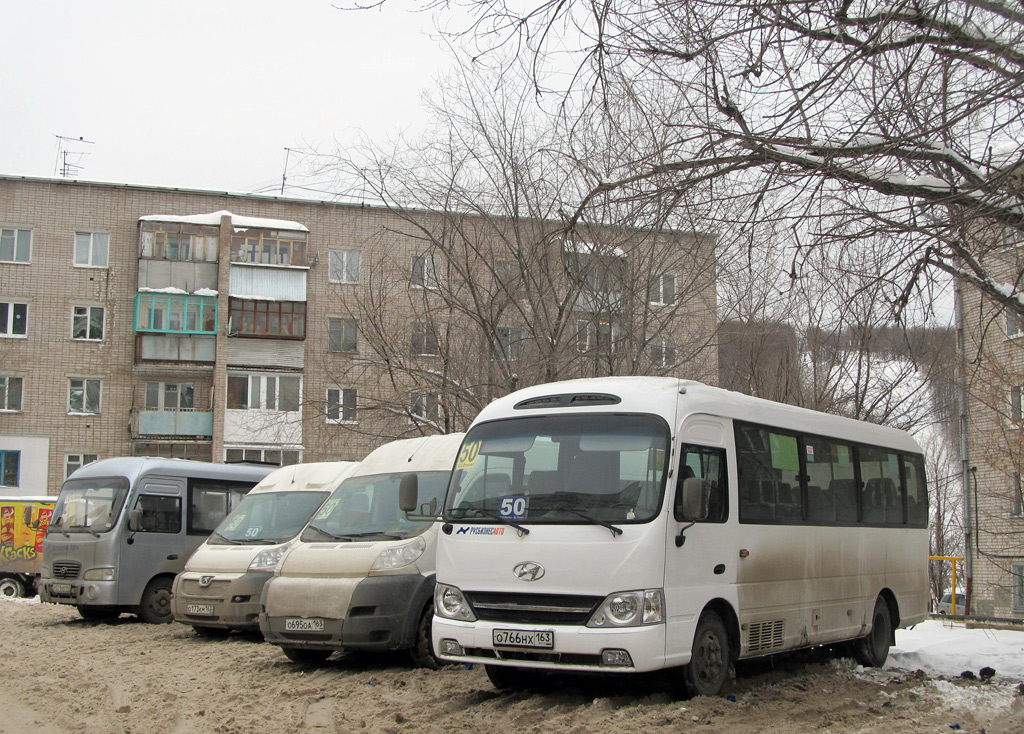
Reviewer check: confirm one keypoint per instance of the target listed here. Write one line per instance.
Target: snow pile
(948, 649)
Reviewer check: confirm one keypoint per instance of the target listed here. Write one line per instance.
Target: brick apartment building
(154, 321)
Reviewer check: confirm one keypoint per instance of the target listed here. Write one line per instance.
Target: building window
(341, 335)
(510, 343)
(341, 405)
(268, 246)
(425, 406)
(87, 323)
(1018, 497)
(1016, 392)
(343, 266)
(10, 466)
(15, 245)
(175, 313)
(507, 273)
(169, 396)
(13, 319)
(280, 457)
(270, 319)
(176, 241)
(264, 392)
(91, 249)
(424, 340)
(603, 336)
(194, 451)
(662, 290)
(83, 396)
(663, 352)
(1014, 323)
(73, 462)
(10, 393)
(426, 271)
(1017, 579)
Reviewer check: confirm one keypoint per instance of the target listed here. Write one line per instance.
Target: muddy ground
(59, 673)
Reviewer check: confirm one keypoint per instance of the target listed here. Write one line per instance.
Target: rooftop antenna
(284, 174)
(66, 166)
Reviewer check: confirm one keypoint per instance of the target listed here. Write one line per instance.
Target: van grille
(66, 569)
(533, 608)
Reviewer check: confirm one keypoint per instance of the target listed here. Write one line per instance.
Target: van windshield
(267, 518)
(576, 468)
(366, 508)
(89, 505)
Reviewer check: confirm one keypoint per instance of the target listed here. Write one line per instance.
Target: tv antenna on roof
(67, 164)
(284, 175)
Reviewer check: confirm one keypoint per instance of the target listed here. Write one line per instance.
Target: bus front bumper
(77, 592)
(222, 600)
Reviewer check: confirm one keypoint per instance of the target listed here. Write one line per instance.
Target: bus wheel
(505, 678)
(422, 651)
(212, 633)
(305, 654)
(11, 588)
(99, 614)
(872, 650)
(710, 658)
(156, 602)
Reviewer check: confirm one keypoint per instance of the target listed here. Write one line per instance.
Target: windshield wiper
(593, 520)
(385, 536)
(496, 516)
(229, 541)
(332, 536)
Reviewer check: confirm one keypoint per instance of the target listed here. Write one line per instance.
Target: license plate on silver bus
(62, 589)
(543, 639)
(294, 624)
(199, 609)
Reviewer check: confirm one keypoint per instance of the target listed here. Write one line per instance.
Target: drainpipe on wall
(964, 462)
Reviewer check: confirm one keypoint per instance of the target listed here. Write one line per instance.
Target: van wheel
(710, 657)
(212, 633)
(305, 654)
(156, 602)
(99, 614)
(872, 650)
(11, 588)
(507, 679)
(422, 651)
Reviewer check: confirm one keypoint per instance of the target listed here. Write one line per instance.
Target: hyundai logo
(528, 571)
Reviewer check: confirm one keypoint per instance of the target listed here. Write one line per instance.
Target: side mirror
(696, 498)
(135, 520)
(408, 491)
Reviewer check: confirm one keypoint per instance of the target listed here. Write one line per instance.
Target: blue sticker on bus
(513, 507)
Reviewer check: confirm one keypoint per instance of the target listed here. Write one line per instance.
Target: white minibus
(637, 524)
(122, 529)
(220, 588)
(361, 575)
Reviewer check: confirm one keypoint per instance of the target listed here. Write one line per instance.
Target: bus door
(155, 546)
(700, 557)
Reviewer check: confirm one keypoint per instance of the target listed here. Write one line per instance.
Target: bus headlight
(399, 555)
(630, 609)
(450, 603)
(100, 574)
(268, 558)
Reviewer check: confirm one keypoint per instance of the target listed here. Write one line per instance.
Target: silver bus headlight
(100, 574)
(630, 609)
(451, 604)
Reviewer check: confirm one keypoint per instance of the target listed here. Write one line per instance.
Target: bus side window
(707, 464)
(160, 514)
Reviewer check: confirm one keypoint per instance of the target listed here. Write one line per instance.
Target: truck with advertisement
(23, 522)
(220, 588)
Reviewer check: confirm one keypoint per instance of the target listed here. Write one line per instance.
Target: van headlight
(100, 574)
(450, 603)
(268, 558)
(630, 609)
(400, 555)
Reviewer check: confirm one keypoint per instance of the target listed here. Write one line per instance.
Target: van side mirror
(135, 520)
(696, 499)
(408, 489)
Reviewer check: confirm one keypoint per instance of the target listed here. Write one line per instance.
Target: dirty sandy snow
(62, 674)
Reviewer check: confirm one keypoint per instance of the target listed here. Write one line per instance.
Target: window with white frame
(603, 336)
(426, 271)
(341, 334)
(343, 266)
(424, 340)
(73, 462)
(87, 323)
(1016, 407)
(83, 395)
(170, 396)
(13, 319)
(663, 351)
(91, 249)
(10, 393)
(1017, 579)
(179, 241)
(1017, 498)
(510, 342)
(662, 290)
(341, 405)
(507, 273)
(425, 406)
(15, 245)
(279, 456)
(264, 392)
(10, 468)
(1014, 323)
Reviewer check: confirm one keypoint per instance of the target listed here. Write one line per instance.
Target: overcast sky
(204, 93)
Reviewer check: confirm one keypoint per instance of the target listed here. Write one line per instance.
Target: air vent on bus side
(766, 635)
(567, 400)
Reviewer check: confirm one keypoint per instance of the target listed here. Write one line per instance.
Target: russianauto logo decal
(480, 531)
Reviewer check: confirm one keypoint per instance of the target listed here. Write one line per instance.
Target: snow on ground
(942, 648)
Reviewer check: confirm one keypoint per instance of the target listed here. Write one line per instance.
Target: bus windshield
(89, 505)
(366, 508)
(574, 468)
(267, 518)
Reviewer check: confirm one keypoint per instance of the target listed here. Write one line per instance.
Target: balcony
(175, 423)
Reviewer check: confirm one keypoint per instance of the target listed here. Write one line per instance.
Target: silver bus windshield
(89, 505)
(575, 468)
(267, 518)
(366, 508)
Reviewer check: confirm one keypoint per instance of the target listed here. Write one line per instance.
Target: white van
(220, 588)
(361, 574)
